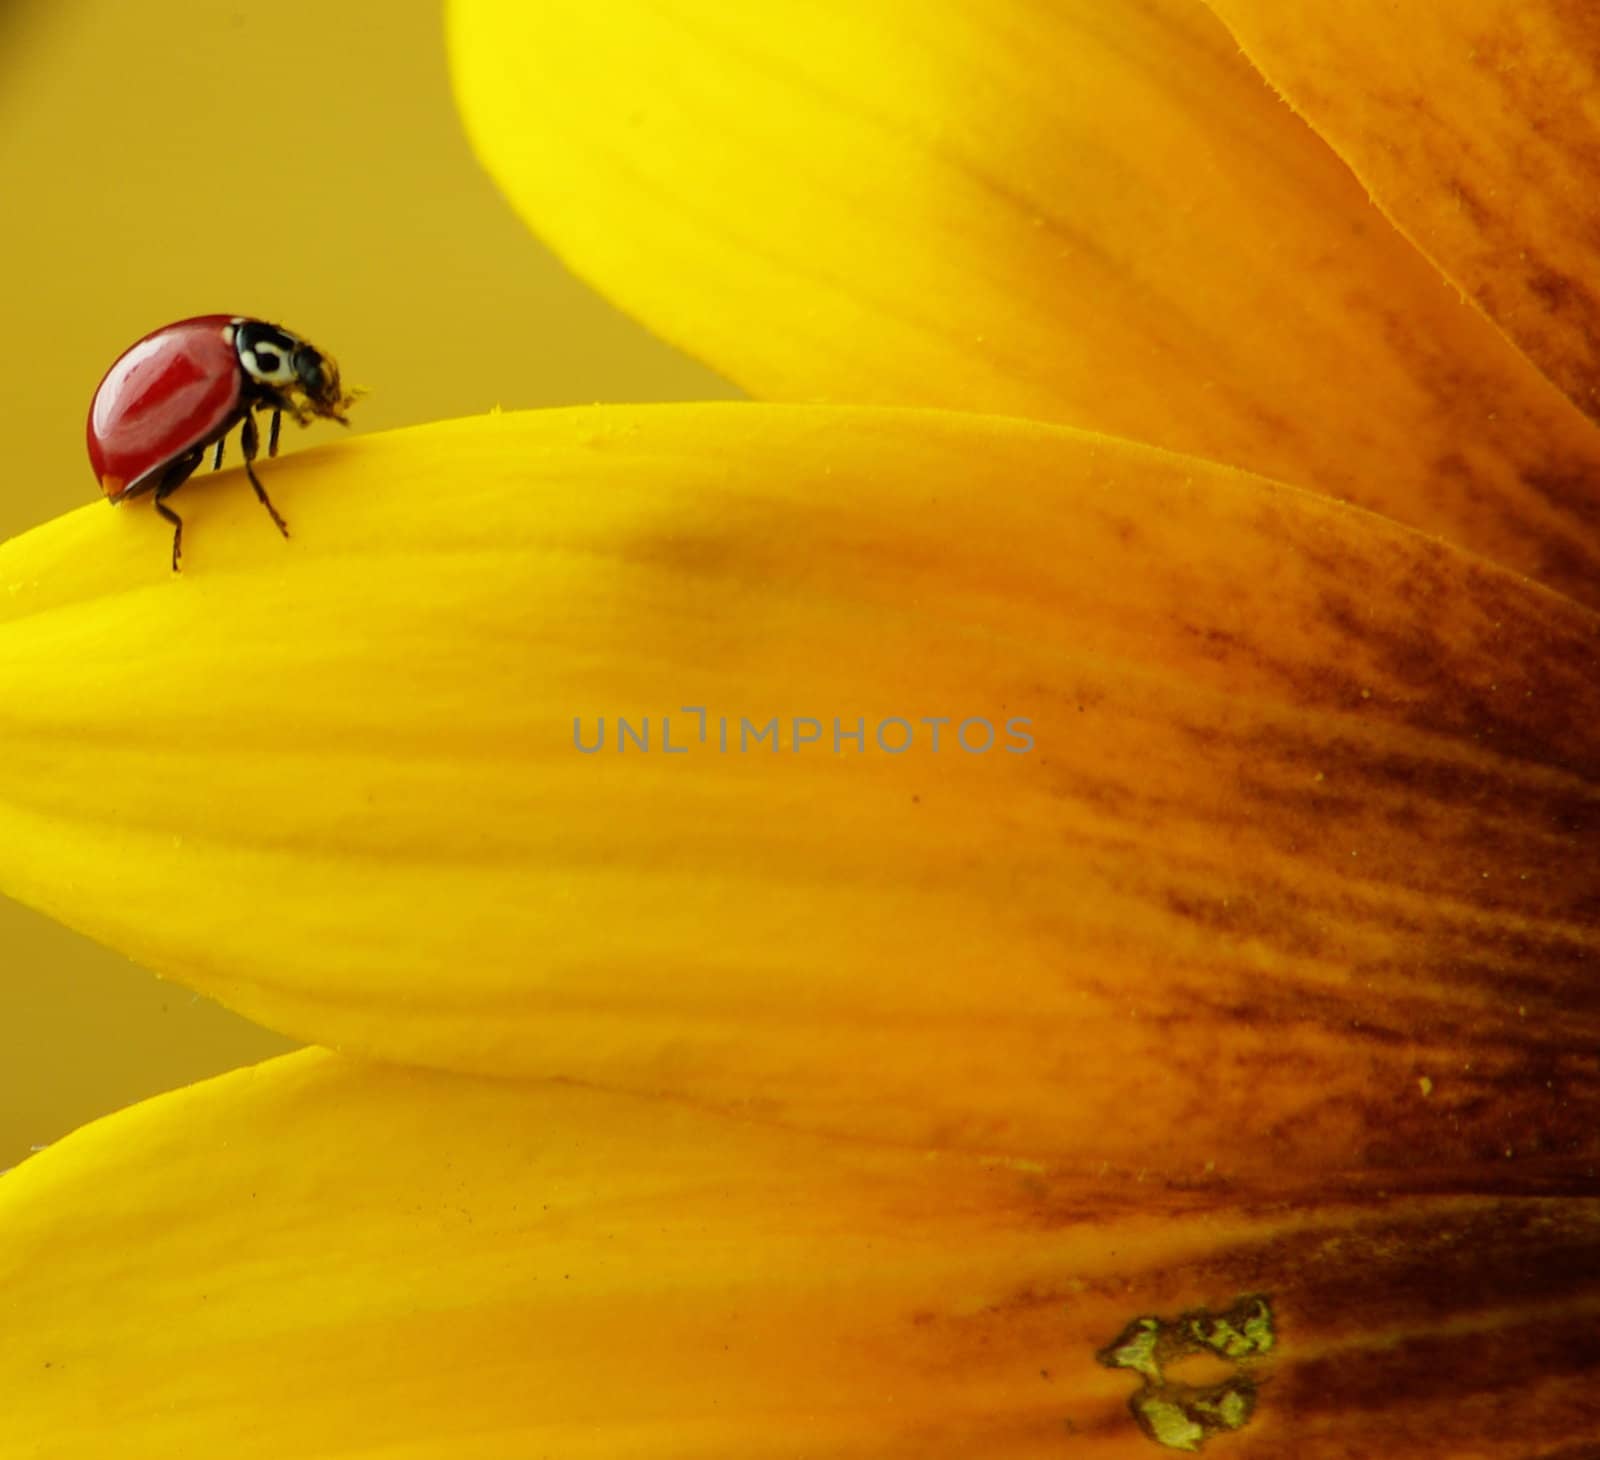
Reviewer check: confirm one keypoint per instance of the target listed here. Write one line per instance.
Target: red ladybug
(182, 389)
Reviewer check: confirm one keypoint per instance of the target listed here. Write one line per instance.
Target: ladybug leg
(177, 531)
(250, 443)
(272, 434)
(216, 461)
(174, 477)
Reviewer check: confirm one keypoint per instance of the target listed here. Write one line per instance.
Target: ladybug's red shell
(175, 390)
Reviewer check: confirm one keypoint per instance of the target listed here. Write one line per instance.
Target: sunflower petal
(1044, 792)
(1089, 212)
(1473, 124)
(320, 1258)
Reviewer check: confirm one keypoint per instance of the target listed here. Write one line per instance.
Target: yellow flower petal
(1094, 213)
(1306, 821)
(318, 1258)
(1473, 124)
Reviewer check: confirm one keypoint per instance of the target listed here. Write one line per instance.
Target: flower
(840, 1094)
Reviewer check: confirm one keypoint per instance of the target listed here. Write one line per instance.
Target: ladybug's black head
(318, 377)
(285, 367)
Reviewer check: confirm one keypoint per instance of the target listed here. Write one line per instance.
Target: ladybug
(183, 388)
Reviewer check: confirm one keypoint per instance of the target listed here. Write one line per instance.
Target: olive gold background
(165, 158)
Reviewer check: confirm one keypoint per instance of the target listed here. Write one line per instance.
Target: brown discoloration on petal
(1473, 125)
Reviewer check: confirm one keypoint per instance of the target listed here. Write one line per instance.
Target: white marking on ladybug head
(268, 364)
(266, 353)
